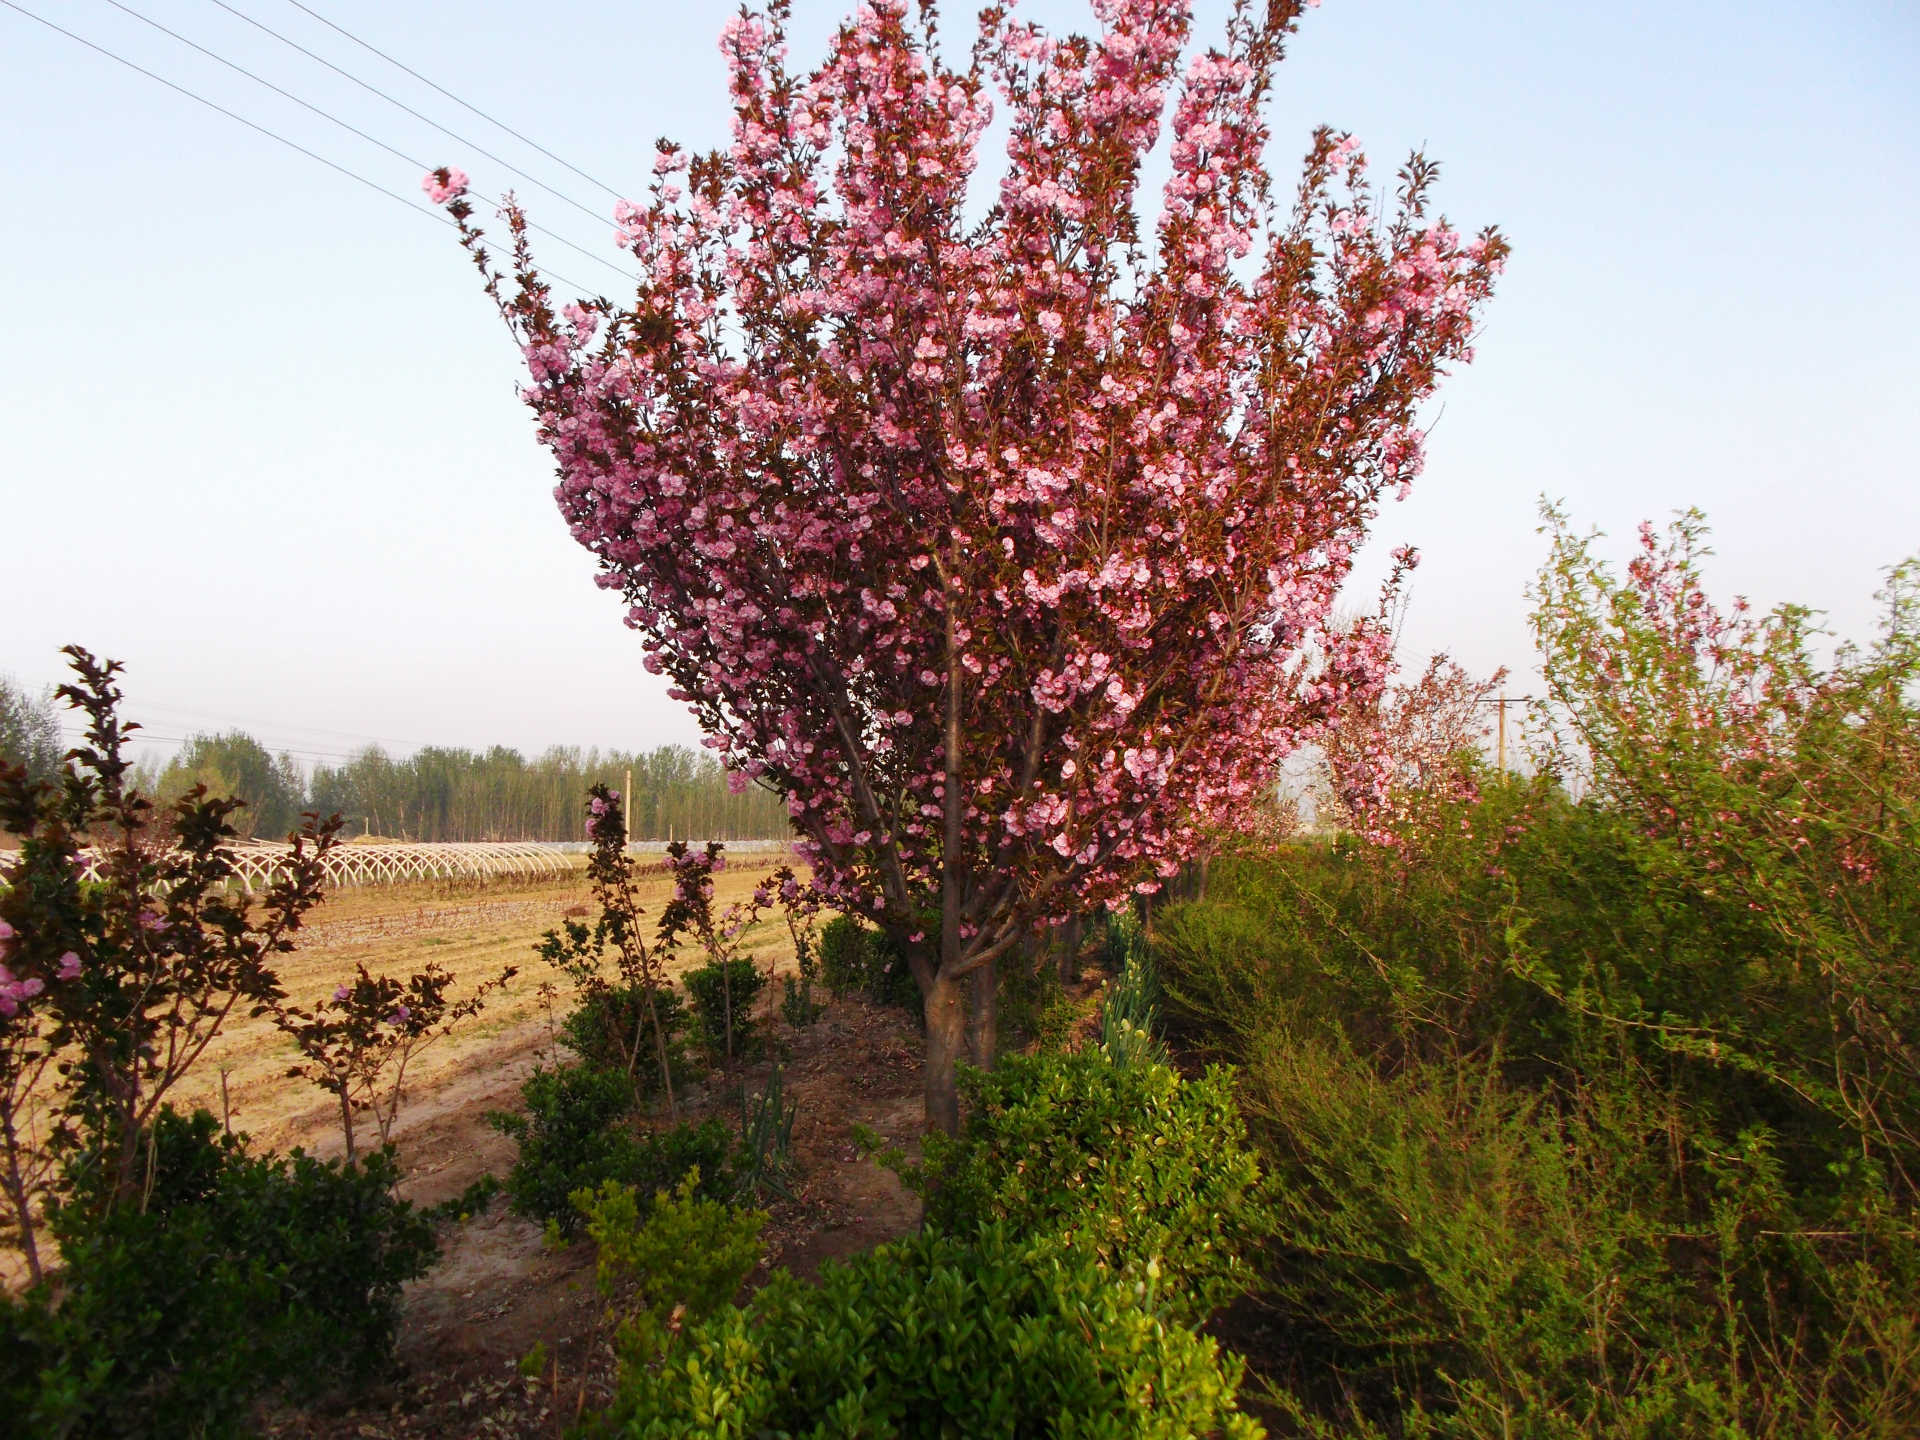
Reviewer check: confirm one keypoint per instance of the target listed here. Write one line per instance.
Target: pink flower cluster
(16, 990)
(876, 479)
(445, 184)
(14, 993)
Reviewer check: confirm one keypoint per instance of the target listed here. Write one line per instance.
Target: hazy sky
(258, 435)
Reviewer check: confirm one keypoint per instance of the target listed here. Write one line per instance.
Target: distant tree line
(441, 793)
(448, 794)
(438, 793)
(29, 730)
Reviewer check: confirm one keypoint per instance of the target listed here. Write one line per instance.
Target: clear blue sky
(257, 428)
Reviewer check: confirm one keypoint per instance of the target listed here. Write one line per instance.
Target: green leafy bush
(242, 1275)
(1033, 1003)
(610, 1026)
(723, 995)
(1133, 1165)
(856, 959)
(843, 955)
(797, 1005)
(577, 1132)
(940, 1336)
(673, 1262)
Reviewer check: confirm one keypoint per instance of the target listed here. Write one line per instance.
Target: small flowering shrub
(988, 1334)
(725, 988)
(1134, 1165)
(631, 1019)
(801, 907)
(116, 972)
(191, 1277)
(357, 1044)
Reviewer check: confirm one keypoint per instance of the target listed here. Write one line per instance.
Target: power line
(142, 734)
(588, 211)
(170, 714)
(400, 155)
(432, 215)
(499, 124)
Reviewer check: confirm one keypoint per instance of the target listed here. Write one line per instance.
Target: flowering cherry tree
(994, 541)
(1409, 752)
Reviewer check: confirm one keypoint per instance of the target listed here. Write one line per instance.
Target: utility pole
(1500, 745)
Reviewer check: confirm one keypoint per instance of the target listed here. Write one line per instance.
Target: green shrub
(844, 943)
(243, 1276)
(797, 1005)
(1134, 1165)
(572, 1135)
(576, 1133)
(856, 959)
(1499, 1211)
(610, 1024)
(1473, 1259)
(1033, 1003)
(940, 1336)
(723, 995)
(674, 1261)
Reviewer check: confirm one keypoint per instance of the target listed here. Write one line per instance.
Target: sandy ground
(473, 932)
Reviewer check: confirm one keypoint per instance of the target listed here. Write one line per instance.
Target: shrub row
(1509, 1195)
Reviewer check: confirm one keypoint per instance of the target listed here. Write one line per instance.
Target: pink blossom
(446, 183)
(1088, 484)
(69, 966)
(13, 992)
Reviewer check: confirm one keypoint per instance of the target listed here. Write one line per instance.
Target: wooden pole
(626, 807)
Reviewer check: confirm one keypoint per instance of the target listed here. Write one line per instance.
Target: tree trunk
(346, 1122)
(666, 1065)
(21, 1197)
(983, 1020)
(1069, 942)
(946, 1034)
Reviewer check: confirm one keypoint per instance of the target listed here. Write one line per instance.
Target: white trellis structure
(256, 863)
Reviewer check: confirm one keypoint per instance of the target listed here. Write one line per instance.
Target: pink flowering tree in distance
(994, 540)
